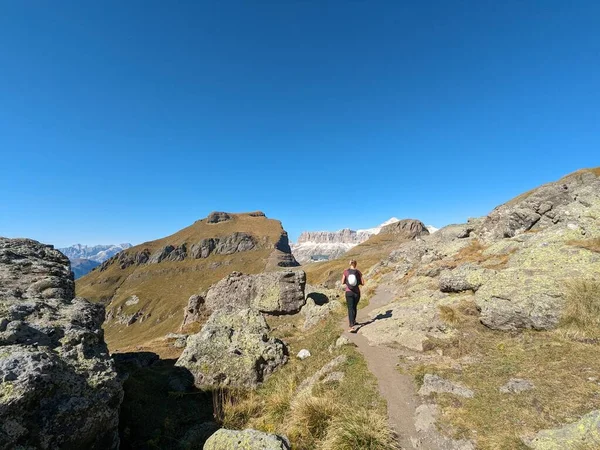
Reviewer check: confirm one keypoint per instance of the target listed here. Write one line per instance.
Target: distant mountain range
(85, 257)
(326, 245)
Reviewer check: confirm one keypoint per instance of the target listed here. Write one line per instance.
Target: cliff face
(329, 245)
(147, 286)
(59, 387)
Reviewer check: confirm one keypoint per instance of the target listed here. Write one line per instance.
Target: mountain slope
(82, 266)
(147, 286)
(97, 253)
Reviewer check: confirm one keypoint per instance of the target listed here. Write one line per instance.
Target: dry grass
(360, 430)
(558, 366)
(310, 419)
(581, 317)
(589, 244)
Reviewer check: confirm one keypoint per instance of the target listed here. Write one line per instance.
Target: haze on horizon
(127, 122)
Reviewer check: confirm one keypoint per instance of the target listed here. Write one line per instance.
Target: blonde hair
(353, 262)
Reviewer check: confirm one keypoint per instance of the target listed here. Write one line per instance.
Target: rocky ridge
(59, 387)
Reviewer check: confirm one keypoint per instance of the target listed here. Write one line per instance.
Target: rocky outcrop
(466, 277)
(217, 217)
(169, 253)
(195, 310)
(434, 383)
(59, 387)
(407, 229)
(127, 259)
(225, 245)
(584, 434)
(233, 349)
(245, 440)
(272, 292)
(548, 205)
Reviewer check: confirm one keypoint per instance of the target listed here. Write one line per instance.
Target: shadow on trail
(380, 316)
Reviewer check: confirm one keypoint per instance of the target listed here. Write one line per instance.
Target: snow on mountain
(319, 245)
(97, 253)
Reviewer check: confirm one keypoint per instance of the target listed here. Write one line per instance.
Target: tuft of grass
(310, 417)
(448, 314)
(581, 316)
(360, 429)
(589, 244)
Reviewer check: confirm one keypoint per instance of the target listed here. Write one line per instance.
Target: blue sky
(126, 121)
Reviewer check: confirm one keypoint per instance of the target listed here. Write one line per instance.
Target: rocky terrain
(58, 385)
(472, 297)
(146, 287)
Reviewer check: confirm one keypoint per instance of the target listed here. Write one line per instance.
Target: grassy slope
(164, 288)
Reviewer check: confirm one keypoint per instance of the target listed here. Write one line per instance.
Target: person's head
(353, 263)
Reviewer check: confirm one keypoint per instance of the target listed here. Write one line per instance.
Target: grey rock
(543, 207)
(342, 341)
(279, 292)
(407, 229)
(224, 245)
(169, 253)
(333, 377)
(435, 383)
(466, 277)
(217, 217)
(516, 386)
(316, 312)
(303, 354)
(233, 349)
(319, 376)
(194, 311)
(59, 385)
(245, 440)
(585, 433)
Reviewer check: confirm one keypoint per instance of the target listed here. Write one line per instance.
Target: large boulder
(59, 387)
(530, 292)
(279, 292)
(233, 349)
(245, 440)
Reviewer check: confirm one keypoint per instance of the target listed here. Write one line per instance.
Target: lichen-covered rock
(233, 349)
(245, 440)
(194, 311)
(585, 433)
(315, 313)
(58, 386)
(466, 277)
(553, 203)
(279, 292)
(530, 293)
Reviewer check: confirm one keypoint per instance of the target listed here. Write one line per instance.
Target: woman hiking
(352, 279)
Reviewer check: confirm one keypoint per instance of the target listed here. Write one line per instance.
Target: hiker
(352, 279)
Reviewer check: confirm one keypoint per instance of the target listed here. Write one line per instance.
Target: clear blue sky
(126, 121)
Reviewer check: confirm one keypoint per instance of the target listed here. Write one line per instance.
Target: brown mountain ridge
(146, 287)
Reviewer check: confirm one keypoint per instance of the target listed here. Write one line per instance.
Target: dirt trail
(396, 388)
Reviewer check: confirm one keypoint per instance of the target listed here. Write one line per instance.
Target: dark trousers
(352, 299)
